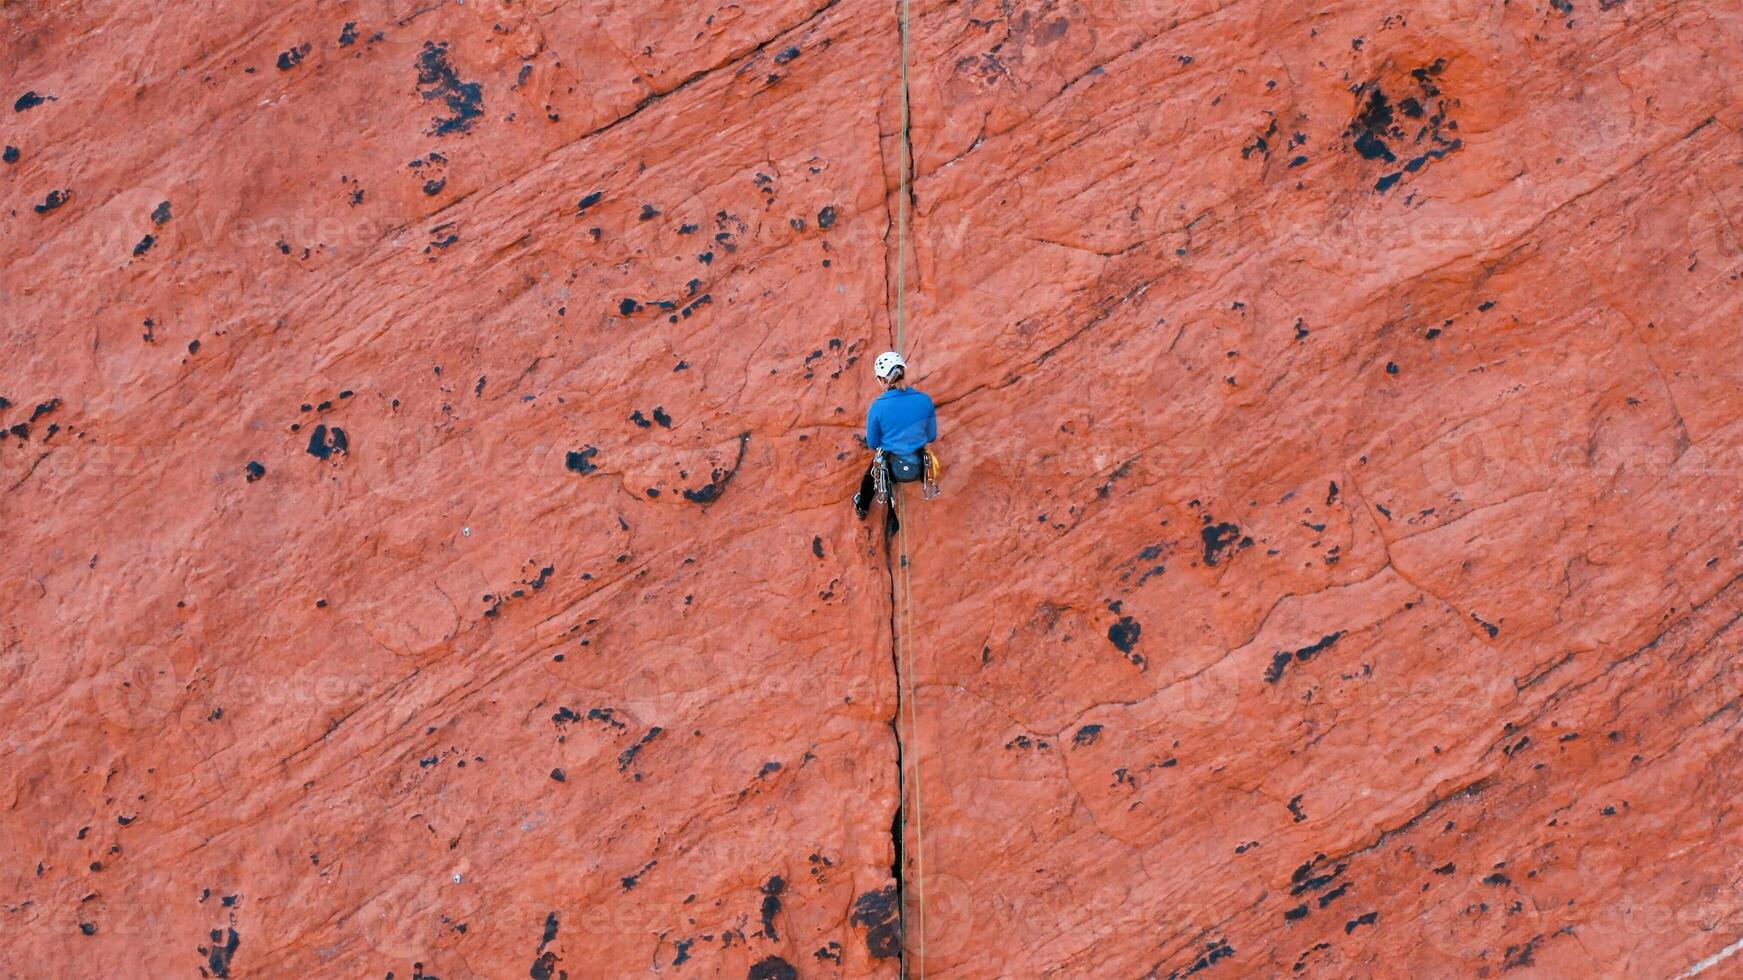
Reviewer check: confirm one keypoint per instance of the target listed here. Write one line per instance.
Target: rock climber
(900, 427)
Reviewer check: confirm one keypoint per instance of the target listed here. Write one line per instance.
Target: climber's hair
(896, 376)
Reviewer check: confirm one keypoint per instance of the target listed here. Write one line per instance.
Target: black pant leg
(862, 500)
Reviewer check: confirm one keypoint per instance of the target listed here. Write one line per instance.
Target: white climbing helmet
(887, 364)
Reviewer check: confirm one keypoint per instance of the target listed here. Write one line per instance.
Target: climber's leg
(862, 500)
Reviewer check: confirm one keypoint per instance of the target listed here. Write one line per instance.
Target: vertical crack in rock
(906, 163)
(898, 822)
(898, 826)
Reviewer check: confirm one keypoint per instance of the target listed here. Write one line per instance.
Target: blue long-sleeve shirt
(901, 420)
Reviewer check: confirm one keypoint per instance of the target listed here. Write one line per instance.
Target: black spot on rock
(292, 58)
(437, 79)
(826, 218)
(1370, 128)
(10, 155)
(1213, 952)
(543, 968)
(1086, 735)
(1124, 634)
(711, 491)
(1367, 919)
(222, 951)
(627, 757)
(630, 881)
(255, 471)
(772, 906)
(1218, 538)
(1521, 955)
(160, 215)
(581, 461)
(877, 912)
(144, 245)
(772, 968)
(1274, 673)
(29, 100)
(325, 443)
(54, 200)
(1282, 658)
(550, 931)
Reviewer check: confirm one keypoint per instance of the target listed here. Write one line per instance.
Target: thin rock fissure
(898, 822)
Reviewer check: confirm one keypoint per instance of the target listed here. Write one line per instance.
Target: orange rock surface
(430, 428)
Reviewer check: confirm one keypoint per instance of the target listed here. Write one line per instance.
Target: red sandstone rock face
(432, 425)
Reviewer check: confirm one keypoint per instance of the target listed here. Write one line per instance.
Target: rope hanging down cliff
(909, 773)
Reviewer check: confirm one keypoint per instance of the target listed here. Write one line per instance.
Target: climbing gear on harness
(887, 364)
(889, 468)
(934, 467)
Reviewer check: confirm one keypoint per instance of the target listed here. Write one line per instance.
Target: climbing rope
(910, 773)
(906, 619)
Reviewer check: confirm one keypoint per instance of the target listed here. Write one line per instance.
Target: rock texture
(429, 430)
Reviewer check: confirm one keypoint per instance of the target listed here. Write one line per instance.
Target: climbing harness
(888, 469)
